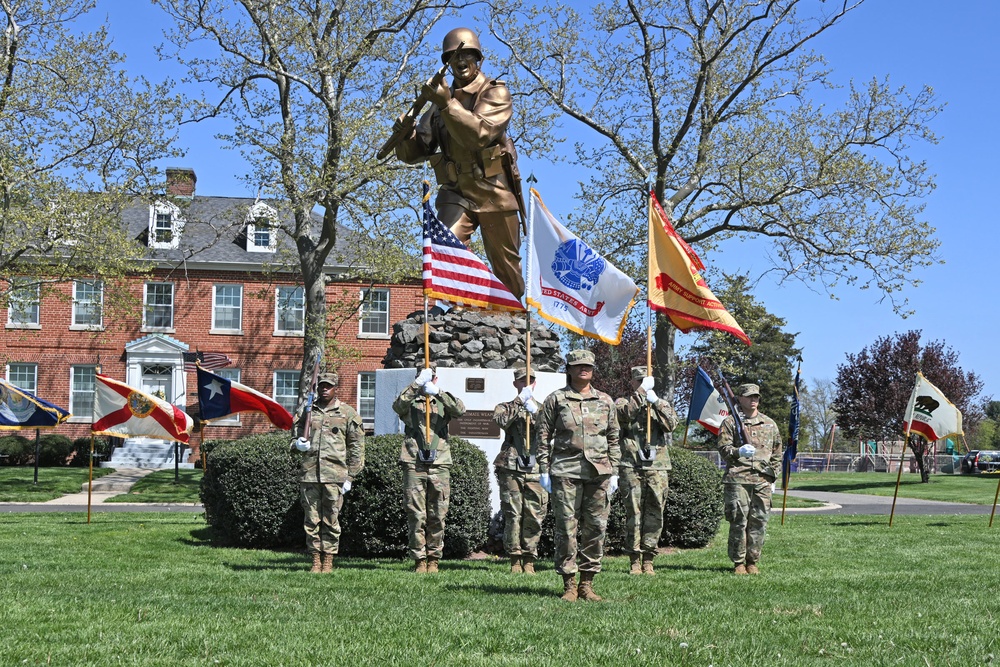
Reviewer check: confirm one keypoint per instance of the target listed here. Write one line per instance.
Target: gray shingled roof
(215, 232)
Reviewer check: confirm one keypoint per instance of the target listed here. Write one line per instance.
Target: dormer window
(261, 228)
(165, 225)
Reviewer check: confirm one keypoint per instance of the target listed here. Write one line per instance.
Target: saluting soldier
(523, 501)
(751, 468)
(328, 463)
(464, 137)
(644, 467)
(426, 465)
(578, 457)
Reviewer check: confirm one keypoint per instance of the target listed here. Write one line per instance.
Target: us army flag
(675, 285)
(930, 414)
(570, 284)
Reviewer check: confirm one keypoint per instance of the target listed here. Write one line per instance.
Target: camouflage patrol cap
(331, 379)
(580, 357)
(638, 372)
(748, 390)
(521, 371)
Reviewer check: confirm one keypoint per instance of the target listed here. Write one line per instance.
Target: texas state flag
(708, 408)
(219, 398)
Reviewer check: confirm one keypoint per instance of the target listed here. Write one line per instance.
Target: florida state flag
(676, 287)
(123, 411)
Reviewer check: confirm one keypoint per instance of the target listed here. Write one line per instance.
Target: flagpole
(527, 319)
(899, 474)
(649, 319)
(995, 496)
(90, 476)
(427, 364)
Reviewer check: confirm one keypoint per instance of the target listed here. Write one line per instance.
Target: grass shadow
(492, 589)
(687, 567)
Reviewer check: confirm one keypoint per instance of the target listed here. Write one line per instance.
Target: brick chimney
(181, 181)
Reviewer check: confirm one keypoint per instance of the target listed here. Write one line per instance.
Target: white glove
(425, 376)
(345, 487)
(531, 407)
(302, 445)
(651, 396)
(525, 395)
(647, 384)
(773, 487)
(545, 481)
(747, 451)
(431, 389)
(613, 485)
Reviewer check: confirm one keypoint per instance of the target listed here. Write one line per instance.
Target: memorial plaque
(474, 424)
(475, 385)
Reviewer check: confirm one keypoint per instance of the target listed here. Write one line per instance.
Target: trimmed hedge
(251, 497)
(690, 520)
(694, 504)
(54, 450)
(251, 492)
(81, 452)
(18, 450)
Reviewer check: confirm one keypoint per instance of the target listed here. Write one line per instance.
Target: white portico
(154, 364)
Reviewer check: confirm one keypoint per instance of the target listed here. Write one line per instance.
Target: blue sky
(915, 42)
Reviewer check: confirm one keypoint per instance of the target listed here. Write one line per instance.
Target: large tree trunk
(665, 365)
(919, 447)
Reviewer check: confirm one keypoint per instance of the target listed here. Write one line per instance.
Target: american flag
(209, 360)
(453, 273)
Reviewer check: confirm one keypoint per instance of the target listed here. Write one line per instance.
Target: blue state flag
(21, 409)
(792, 450)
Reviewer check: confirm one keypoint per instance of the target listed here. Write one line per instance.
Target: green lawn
(160, 487)
(147, 589)
(17, 483)
(975, 489)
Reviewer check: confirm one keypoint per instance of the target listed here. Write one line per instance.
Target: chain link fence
(942, 464)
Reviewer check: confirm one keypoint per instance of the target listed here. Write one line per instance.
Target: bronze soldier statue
(464, 137)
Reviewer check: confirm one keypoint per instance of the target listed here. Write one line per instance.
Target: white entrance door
(156, 380)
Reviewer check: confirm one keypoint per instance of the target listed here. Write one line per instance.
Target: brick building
(215, 285)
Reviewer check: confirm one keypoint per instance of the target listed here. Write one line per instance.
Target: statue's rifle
(403, 127)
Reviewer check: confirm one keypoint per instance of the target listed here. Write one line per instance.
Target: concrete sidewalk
(109, 486)
(857, 503)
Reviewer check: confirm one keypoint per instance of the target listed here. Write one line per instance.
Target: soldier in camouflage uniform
(578, 456)
(328, 462)
(750, 471)
(426, 465)
(523, 501)
(644, 466)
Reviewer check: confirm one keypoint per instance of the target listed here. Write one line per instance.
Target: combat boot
(586, 589)
(317, 562)
(327, 563)
(740, 569)
(752, 568)
(647, 566)
(569, 587)
(515, 565)
(420, 566)
(432, 565)
(528, 564)
(635, 564)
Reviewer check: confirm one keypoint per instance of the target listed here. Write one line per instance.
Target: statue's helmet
(456, 37)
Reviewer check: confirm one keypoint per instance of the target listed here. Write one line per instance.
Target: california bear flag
(930, 414)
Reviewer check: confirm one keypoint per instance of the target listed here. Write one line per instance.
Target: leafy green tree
(817, 413)
(77, 141)
(722, 109)
(310, 90)
(769, 362)
(874, 387)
